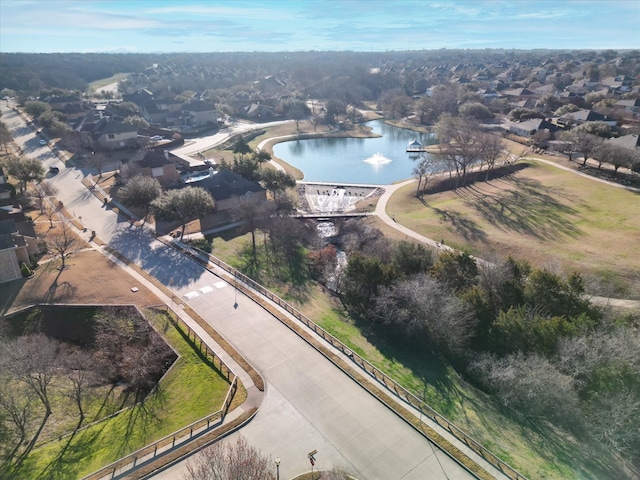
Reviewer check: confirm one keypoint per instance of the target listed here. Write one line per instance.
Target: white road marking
(206, 289)
(220, 284)
(191, 295)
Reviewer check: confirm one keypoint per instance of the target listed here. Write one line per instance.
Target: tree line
(529, 336)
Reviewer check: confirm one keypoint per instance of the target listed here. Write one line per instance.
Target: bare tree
(19, 413)
(530, 384)
(490, 150)
(423, 308)
(98, 161)
(33, 361)
(460, 144)
(81, 375)
(421, 170)
(41, 191)
(72, 140)
(336, 474)
(230, 461)
(63, 241)
(584, 142)
(5, 136)
(50, 212)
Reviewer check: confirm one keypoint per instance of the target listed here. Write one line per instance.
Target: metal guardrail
(185, 434)
(400, 391)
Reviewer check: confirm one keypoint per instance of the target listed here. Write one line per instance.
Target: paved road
(309, 404)
(204, 143)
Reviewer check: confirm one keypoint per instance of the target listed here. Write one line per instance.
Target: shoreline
(267, 144)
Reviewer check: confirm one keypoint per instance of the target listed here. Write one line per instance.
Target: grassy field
(542, 214)
(93, 86)
(191, 390)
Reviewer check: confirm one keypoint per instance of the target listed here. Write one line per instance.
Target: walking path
(308, 403)
(381, 212)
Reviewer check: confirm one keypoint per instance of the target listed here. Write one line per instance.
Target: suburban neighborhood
(338, 265)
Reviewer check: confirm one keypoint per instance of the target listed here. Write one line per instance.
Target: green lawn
(536, 449)
(191, 390)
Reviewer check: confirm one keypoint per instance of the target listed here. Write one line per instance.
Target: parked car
(54, 170)
(43, 141)
(156, 138)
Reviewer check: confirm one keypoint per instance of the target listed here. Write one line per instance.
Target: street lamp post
(277, 468)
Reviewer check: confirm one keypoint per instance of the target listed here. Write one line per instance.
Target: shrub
(26, 271)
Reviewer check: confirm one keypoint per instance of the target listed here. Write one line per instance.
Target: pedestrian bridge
(327, 216)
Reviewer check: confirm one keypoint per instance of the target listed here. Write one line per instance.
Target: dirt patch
(89, 279)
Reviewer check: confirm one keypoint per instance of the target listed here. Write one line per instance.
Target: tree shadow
(466, 227)
(59, 291)
(167, 264)
(526, 207)
(71, 456)
(9, 292)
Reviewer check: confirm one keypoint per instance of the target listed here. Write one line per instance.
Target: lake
(378, 161)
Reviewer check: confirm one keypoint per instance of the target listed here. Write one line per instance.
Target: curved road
(309, 404)
(200, 144)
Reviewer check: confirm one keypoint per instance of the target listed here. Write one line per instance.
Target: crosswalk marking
(204, 290)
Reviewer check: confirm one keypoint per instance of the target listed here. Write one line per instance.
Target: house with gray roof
(631, 141)
(229, 191)
(13, 251)
(113, 134)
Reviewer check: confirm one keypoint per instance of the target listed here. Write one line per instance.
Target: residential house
(632, 106)
(59, 102)
(14, 249)
(518, 95)
(201, 112)
(581, 116)
(140, 97)
(152, 112)
(228, 189)
(529, 128)
(526, 103)
(151, 164)
(113, 134)
(488, 93)
(631, 141)
(256, 110)
(72, 112)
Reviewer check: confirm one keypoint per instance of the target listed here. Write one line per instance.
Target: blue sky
(140, 26)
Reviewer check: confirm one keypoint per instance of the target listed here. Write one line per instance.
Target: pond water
(378, 161)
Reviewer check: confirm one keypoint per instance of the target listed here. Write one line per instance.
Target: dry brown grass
(540, 213)
(90, 279)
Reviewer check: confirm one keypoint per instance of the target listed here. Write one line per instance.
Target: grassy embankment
(536, 449)
(93, 86)
(191, 390)
(541, 214)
